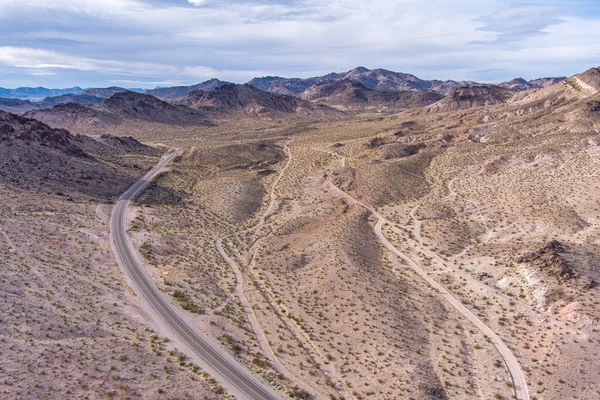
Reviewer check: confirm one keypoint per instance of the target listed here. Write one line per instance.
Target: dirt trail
(13, 249)
(241, 285)
(517, 375)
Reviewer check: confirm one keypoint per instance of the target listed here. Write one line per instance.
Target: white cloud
(40, 59)
(163, 40)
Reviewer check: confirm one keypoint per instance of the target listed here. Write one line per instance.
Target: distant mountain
(384, 79)
(472, 96)
(372, 79)
(79, 98)
(351, 95)
(247, 100)
(292, 86)
(379, 79)
(88, 97)
(122, 108)
(36, 94)
(16, 106)
(105, 93)
(520, 84)
(172, 93)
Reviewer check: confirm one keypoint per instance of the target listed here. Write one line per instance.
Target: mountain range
(122, 108)
(375, 79)
(89, 96)
(385, 79)
(274, 98)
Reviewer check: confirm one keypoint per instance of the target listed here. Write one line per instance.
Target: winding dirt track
(516, 372)
(241, 283)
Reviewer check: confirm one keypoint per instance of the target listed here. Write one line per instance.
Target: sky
(149, 43)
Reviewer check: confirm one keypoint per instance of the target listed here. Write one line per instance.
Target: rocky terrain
(88, 97)
(520, 84)
(411, 247)
(231, 99)
(70, 327)
(387, 80)
(122, 109)
(36, 94)
(348, 95)
(175, 92)
(472, 97)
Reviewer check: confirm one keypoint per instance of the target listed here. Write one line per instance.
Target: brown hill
(40, 158)
(88, 97)
(292, 86)
(520, 84)
(172, 93)
(103, 93)
(249, 101)
(471, 97)
(383, 79)
(16, 106)
(351, 95)
(15, 129)
(122, 108)
(591, 78)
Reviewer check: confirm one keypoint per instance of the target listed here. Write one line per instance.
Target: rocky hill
(89, 97)
(172, 93)
(103, 93)
(373, 79)
(36, 94)
(122, 108)
(15, 129)
(384, 79)
(520, 84)
(471, 97)
(40, 158)
(351, 95)
(16, 106)
(292, 86)
(250, 101)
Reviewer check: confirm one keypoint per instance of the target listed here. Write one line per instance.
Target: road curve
(512, 364)
(248, 385)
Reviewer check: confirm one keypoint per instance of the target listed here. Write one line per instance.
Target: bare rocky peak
(520, 84)
(121, 108)
(249, 100)
(472, 96)
(89, 97)
(591, 77)
(172, 93)
(349, 94)
(14, 128)
(384, 79)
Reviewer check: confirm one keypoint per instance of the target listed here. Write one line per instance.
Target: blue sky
(146, 43)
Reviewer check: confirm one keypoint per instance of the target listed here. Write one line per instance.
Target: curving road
(247, 385)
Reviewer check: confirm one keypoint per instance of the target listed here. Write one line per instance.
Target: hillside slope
(121, 109)
(246, 100)
(351, 95)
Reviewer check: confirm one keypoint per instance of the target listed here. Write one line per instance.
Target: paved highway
(246, 384)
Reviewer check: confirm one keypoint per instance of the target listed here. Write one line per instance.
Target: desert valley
(356, 235)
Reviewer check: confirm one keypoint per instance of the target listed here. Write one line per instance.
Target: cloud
(40, 59)
(519, 23)
(190, 40)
